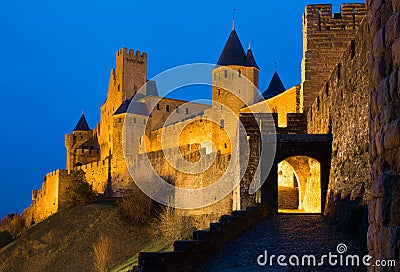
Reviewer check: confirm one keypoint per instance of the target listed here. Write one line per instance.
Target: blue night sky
(56, 58)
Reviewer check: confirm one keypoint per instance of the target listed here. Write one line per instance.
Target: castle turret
(234, 65)
(129, 75)
(81, 144)
(235, 84)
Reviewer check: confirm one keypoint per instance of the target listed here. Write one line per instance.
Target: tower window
(219, 91)
(222, 123)
(226, 73)
(187, 111)
(225, 145)
(158, 106)
(353, 48)
(177, 109)
(167, 108)
(240, 73)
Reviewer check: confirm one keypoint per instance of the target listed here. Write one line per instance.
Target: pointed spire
(275, 87)
(250, 61)
(233, 52)
(82, 124)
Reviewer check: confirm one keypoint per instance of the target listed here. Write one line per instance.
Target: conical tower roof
(82, 124)
(250, 61)
(275, 87)
(233, 52)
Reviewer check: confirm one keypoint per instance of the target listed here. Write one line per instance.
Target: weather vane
(233, 18)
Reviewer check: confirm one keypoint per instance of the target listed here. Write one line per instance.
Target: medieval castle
(336, 132)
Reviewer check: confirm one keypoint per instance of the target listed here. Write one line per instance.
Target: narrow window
(167, 108)
(158, 106)
(219, 91)
(225, 145)
(177, 109)
(226, 73)
(222, 123)
(187, 111)
(240, 73)
(319, 19)
(353, 48)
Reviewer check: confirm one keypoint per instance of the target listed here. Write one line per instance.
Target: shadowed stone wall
(383, 18)
(342, 108)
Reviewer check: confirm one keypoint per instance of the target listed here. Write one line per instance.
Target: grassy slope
(64, 241)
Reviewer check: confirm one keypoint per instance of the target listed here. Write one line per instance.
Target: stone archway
(318, 148)
(299, 185)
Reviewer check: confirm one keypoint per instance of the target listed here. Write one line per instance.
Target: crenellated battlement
(321, 18)
(92, 165)
(132, 55)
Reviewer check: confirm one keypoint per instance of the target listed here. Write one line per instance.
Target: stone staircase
(188, 254)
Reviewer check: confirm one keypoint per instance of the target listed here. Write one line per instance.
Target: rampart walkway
(288, 235)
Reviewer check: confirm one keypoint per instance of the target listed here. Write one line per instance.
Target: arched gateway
(317, 147)
(295, 148)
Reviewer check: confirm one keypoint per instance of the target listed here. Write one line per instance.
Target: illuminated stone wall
(50, 198)
(342, 108)
(383, 19)
(325, 36)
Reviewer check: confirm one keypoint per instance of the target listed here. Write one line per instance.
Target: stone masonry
(325, 37)
(383, 18)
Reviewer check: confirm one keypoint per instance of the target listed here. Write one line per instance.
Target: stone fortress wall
(325, 36)
(50, 198)
(342, 109)
(383, 22)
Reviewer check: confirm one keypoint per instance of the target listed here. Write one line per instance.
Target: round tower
(235, 77)
(235, 86)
